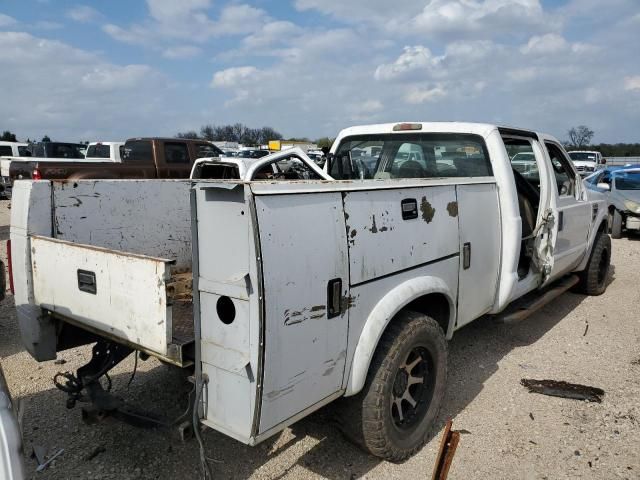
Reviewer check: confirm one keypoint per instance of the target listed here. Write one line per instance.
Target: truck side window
(137, 151)
(565, 178)
(176, 152)
(5, 151)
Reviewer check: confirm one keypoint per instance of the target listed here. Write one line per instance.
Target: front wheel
(393, 415)
(593, 280)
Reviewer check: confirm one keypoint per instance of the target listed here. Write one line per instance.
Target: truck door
(306, 286)
(571, 214)
(480, 247)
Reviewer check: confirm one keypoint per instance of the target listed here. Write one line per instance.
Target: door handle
(334, 297)
(409, 208)
(87, 281)
(466, 256)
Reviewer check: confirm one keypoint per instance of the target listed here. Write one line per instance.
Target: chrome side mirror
(604, 186)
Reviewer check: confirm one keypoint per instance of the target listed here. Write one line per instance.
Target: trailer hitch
(85, 386)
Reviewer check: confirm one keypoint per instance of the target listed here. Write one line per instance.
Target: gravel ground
(511, 433)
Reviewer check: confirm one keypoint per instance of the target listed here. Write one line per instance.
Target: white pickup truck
(286, 294)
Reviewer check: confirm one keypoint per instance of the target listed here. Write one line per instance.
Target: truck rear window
(5, 151)
(420, 155)
(137, 151)
(99, 151)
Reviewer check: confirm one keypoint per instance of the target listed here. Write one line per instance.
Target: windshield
(415, 155)
(583, 156)
(627, 180)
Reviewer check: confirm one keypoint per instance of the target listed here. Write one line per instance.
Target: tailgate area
(133, 299)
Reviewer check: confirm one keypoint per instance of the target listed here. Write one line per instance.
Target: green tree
(7, 136)
(45, 139)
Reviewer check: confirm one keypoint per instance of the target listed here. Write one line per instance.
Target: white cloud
(413, 58)
(83, 14)
(417, 96)
(189, 21)
(632, 83)
(182, 52)
(545, 44)
(88, 96)
(232, 77)
(7, 21)
(483, 18)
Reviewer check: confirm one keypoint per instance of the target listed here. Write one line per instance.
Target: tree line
(237, 132)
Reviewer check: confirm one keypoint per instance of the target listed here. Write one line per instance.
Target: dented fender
(384, 311)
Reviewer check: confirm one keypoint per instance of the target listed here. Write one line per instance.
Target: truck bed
(112, 258)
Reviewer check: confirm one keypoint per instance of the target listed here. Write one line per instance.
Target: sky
(126, 68)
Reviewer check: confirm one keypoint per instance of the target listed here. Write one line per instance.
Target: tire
(412, 347)
(593, 280)
(616, 224)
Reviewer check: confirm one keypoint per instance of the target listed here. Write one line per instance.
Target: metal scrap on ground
(448, 445)
(555, 388)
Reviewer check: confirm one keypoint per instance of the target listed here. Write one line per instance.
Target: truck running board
(534, 301)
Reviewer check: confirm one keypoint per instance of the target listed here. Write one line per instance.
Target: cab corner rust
(452, 208)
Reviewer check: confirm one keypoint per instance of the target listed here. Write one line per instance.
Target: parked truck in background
(286, 295)
(8, 150)
(104, 152)
(140, 158)
(586, 162)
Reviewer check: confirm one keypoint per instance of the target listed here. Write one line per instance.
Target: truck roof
(18, 144)
(169, 139)
(482, 129)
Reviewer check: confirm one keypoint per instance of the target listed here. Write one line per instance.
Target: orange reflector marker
(407, 126)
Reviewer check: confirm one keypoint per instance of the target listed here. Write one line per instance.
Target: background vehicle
(302, 292)
(621, 187)
(140, 158)
(14, 149)
(252, 153)
(586, 162)
(11, 466)
(10, 149)
(290, 164)
(104, 151)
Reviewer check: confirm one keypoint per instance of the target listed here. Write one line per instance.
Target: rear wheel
(393, 415)
(616, 224)
(593, 280)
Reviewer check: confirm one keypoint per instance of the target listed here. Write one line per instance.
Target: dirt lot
(511, 433)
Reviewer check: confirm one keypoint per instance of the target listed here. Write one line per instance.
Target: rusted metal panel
(137, 216)
(304, 349)
(130, 297)
(382, 242)
(480, 227)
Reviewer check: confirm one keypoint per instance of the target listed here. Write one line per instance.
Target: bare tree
(580, 136)
(190, 134)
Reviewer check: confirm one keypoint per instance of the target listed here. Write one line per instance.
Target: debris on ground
(42, 463)
(96, 451)
(586, 329)
(556, 388)
(448, 445)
